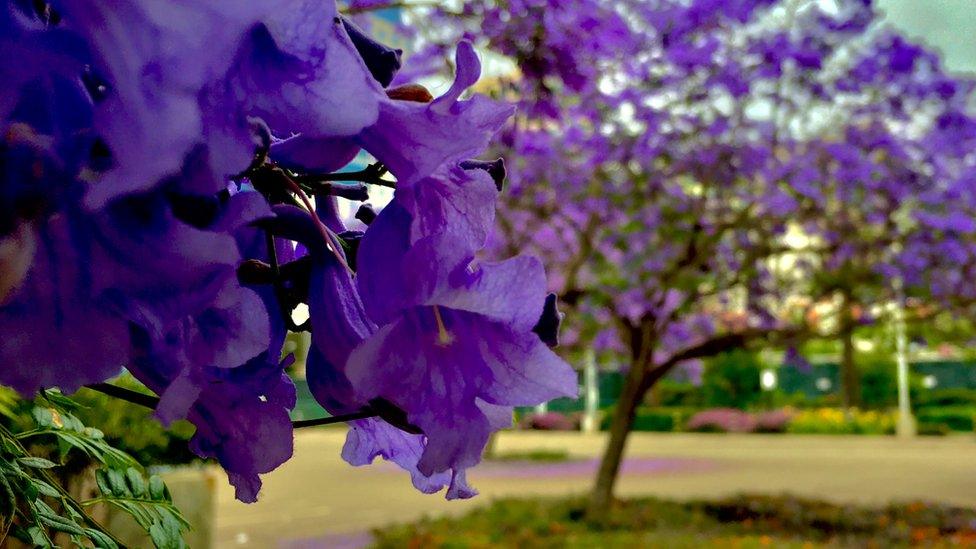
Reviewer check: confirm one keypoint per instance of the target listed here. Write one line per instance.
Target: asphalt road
(316, 500)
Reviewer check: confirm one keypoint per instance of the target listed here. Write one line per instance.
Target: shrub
(874, 422)
(933, 429)
(945, 397)
(653, 421)
(773, 421)
(549, 421)
(678, 394)
(659, 419)
(879, 386)
(833, 421)
(820, 421)
(721, 420)
(956, 418)
(799, 399)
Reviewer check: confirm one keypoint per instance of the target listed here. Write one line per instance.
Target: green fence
(822, 379)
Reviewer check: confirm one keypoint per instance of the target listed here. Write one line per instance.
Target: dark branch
(149, 401)
(285, 304)
(717, 345)
(362, 414)
(372, 174)
(128, 395)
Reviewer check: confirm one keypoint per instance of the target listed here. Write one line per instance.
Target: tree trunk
(623, 419)
(849, 379)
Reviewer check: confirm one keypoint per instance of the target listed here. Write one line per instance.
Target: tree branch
(362, 414)
(151, 402)
(716, 345)
(128, 395)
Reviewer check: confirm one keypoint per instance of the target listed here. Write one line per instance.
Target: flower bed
(823, 421)
(833, 421)
(722, 420)
(743, 521)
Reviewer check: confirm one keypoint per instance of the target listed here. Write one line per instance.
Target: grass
(741, 522)
(543, 456)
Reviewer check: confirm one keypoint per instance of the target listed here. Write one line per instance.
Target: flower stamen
(444, 337)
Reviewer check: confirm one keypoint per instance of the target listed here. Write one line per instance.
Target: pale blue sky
(948, 25)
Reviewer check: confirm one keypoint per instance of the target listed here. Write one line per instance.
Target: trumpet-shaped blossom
(449, 350)
(457, 339)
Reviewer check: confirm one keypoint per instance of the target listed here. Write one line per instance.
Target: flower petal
(414, 139)
(371, 438)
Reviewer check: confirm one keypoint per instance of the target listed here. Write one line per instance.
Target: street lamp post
(591, 388)
(906, 423)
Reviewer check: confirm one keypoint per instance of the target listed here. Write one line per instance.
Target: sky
(948, 25)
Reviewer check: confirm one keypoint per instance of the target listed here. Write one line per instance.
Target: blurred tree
(708, 175)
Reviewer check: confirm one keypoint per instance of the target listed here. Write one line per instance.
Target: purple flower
(452, 339)
(447, 345)
(415, 139)
(55, 332)
(301, 74)
(372, 438)
(794, 359)
(33, 51)
(149, 63)
(241, 414)
(218, 365)
(152, 153)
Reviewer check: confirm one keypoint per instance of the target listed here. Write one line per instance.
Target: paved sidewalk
(316, 500)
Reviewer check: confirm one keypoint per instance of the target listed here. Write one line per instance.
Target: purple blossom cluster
(169, 198)
(710, 161)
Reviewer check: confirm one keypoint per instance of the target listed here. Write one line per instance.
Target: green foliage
(124, 426)
(653, 419)
(742, 521)
(879, 385)
(933, 429)
(34, 506)
(675, 393)
(934, 398)
(148, 502)
(801, 400)
(833, 421)
(133, 429)
(955, 418)
(8, 403)
(731, 380)
(541, 455)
